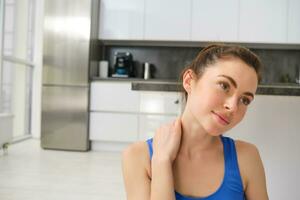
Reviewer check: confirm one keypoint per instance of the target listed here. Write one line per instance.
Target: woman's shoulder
(137, 156)
(248, 159)
(246, 151)
(137, 150)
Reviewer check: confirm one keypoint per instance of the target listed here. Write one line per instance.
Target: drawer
(118, 127)
(161, 102)
(150, 123)
(112, 96)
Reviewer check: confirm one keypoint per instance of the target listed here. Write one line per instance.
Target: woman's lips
(222, 119)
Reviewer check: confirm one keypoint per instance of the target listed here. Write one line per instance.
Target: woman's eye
(245, 101)
(224, 86)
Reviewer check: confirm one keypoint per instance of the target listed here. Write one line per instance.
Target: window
(16, 64)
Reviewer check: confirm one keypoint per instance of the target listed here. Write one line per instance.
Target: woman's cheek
(239, 116)
(216, 98)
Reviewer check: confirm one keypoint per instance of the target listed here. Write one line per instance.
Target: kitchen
(165, 42)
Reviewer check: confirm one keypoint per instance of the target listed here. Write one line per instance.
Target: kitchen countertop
(113, 79)
(171, 85)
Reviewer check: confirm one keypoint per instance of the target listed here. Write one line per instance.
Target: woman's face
(220, 98)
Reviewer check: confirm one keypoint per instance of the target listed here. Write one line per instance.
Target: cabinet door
(113, 127)
(215, 20)
(263, 21)
(294, 21)
(150, 123)
(167, 19)
(160, 102)
(112, 96)
(121, 19)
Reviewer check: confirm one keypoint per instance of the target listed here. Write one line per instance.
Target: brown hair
(212, 53)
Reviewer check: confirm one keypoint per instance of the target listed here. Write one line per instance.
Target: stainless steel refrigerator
(66, 61)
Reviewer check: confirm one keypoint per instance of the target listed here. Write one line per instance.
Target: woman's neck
(195, 140)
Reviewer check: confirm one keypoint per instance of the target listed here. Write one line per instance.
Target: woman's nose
(231, 104)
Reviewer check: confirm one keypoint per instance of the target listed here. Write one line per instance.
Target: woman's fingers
(167, 140)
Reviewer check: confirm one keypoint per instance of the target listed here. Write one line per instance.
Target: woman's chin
(214, 131)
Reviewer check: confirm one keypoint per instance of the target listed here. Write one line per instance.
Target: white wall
(272, 124)
(1, 32)
(37, 72)
(20, 34)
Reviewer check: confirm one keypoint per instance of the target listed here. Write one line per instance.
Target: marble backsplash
(168, 62)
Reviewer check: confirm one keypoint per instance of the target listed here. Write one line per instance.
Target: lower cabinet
(156, 109)
(119, 127)
(148, 124)
(126, 116)
(164, 103)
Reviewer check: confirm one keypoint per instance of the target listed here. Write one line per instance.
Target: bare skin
(188, 153)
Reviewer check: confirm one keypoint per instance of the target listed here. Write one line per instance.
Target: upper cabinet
(263, 21)
(294, 21)
(121, 19)
(215, 20)
(250, 21)
(167, 19)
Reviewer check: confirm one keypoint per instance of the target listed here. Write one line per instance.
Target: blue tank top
(232, 186)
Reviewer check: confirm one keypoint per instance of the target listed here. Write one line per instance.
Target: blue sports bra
(232, 186)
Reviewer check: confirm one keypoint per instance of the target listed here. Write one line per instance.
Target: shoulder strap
(231, 163)
(149, 142)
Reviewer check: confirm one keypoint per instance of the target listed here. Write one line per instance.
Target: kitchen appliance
(66, 57)
(103, 69)
(123, 65)
(297, 74)
(147, 70)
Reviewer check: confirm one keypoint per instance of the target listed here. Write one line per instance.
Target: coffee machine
(123, 65)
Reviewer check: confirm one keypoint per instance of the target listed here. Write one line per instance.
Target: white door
(148, 124)
(121, 19)
(114, 127)
(215, 20)
(294, 21)
(263, 21)
(167, 19)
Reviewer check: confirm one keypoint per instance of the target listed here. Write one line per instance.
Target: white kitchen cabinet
(114, 112)
(113, 96)
(119, 114)
(255, 21)
(121, 19)
(157, 108)
(294, 21)
(118, 127)
(167, 19)
(160, 102)
(148, 124)
(215, 20)
(263, 21)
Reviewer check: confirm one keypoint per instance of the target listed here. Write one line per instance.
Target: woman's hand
(166, 141)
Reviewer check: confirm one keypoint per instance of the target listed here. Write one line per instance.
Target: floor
(29, 172)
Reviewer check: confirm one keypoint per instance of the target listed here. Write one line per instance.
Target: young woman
(189, 159)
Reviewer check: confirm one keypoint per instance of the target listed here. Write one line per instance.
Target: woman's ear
(187, 80)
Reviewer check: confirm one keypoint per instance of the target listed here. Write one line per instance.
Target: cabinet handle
(177, 101)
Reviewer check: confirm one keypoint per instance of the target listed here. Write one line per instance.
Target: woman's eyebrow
(233, 82)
